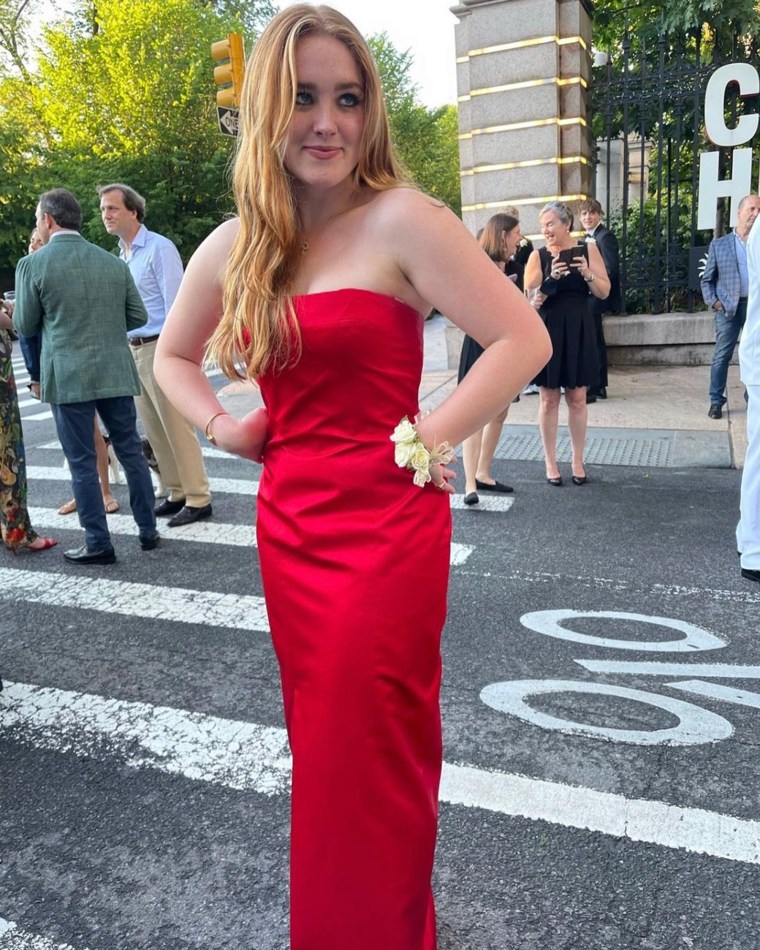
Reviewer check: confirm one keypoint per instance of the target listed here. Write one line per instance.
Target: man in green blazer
(83, 300)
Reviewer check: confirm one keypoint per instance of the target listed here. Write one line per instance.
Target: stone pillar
(523, 69)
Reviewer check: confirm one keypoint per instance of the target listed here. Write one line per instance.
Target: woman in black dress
(559, 279)
(500, 239)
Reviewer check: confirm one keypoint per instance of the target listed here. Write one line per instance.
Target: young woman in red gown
(318, 289)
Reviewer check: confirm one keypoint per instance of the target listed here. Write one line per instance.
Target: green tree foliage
(124, 92)
(426, 139)
(126, 95)
(685, 16)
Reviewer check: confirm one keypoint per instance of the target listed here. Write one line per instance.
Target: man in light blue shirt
(156, 267)
(725, 285)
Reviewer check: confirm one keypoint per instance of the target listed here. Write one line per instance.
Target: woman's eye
(349, 99)
(303, 98)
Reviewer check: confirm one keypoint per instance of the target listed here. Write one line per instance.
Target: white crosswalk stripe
(175, 604)
(230, 486)
(244, 487)
(12, 937)
(203, 532)
(250, 757)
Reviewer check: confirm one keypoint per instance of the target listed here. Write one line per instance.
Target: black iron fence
(647, 121)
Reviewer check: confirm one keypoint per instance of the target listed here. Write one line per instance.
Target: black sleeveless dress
(565, 312)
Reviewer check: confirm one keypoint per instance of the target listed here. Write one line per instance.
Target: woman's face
(553, 230)
(327, 125)
(35, 242)
(512, 241)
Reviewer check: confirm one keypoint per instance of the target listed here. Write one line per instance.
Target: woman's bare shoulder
(406, 200)
(213, 252)
(224, 235)
(408, 215)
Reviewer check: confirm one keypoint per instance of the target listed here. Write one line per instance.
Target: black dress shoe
(149, 540)
(167, 508)
(601, 393)
(590, 397)
(715, 411)
(471, 498)
(188, 515)
(497, 486)
(751, 575)
(84, 555)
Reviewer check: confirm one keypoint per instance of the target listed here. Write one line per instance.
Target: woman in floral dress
(15, 527)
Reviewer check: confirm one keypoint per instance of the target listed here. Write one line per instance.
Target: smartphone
(571, 254)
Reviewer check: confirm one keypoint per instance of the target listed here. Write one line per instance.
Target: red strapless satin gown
(355, 560)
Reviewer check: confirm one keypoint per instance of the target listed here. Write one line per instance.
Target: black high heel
(555, 481)
(580, 479)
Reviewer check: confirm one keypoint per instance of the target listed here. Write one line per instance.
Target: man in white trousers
(748, 529)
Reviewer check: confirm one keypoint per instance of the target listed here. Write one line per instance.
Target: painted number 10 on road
(695, 724)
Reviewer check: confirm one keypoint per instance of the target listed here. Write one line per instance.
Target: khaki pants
(173, 438)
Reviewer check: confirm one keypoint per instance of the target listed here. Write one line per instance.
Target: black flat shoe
(580, 479)
(189, 515)
(167, 508)
(497, 486)
(471, 498)
(84, 555)
(555, 481)
(149, 540)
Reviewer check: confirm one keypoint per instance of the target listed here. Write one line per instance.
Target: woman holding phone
(559, 278)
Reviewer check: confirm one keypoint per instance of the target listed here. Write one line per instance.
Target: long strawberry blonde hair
(258, 325)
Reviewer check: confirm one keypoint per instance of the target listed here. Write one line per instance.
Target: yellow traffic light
(231, 71)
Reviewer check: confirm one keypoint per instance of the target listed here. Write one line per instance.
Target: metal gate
(647, 122)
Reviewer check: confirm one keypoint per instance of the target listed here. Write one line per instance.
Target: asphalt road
(600, 708)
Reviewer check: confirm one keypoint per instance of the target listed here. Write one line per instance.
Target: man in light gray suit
(725, 284)
(83, 300)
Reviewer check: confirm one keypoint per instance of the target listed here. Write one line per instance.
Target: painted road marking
(708, 670)
(228, 486)
(550, 624)
(653, 822)
(247, 756)
(725, 694)
(206, 450)
(202, 532)
(486, 504)
(240, 486)
(696, 726)
(37, 416)
(239, 755)
(617, 586)
(12, 937)
(178, 604)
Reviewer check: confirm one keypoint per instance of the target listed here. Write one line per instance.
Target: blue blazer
(721, 279)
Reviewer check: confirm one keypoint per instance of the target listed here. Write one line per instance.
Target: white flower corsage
(412, 453)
